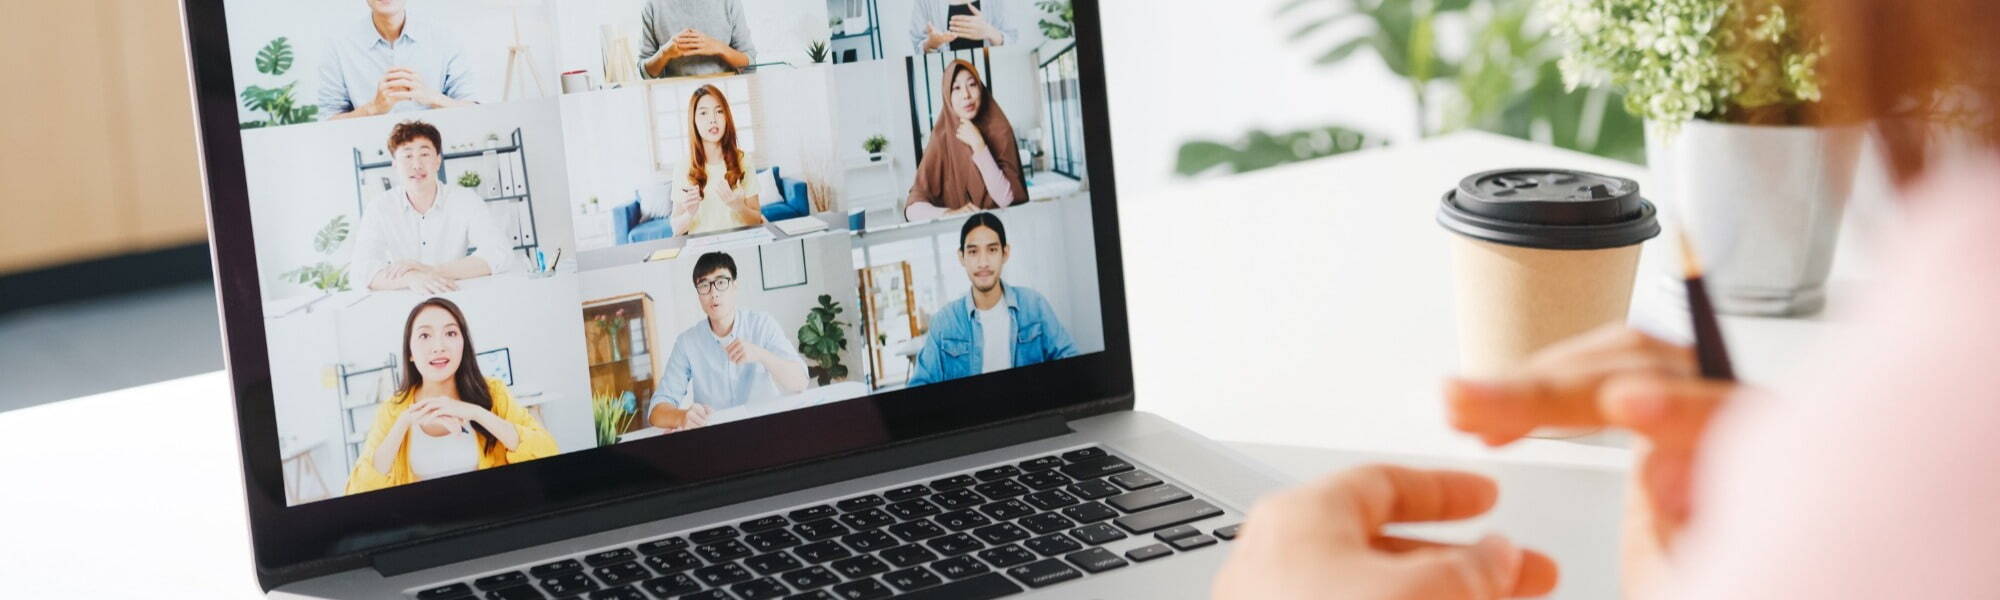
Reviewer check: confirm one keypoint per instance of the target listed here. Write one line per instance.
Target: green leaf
(275, 58)
(1260, 150)
(1342, 51)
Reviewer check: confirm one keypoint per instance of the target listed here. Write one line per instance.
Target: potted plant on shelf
(1730, 90)
(874, 145)
(822, 339)
(817, 52)
(613, 415)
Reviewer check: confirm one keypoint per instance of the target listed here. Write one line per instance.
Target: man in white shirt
(733, 357)
(389, 64)
(425, 235)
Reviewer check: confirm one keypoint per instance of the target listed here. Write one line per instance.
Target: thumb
(1482, 571)
(975, 9)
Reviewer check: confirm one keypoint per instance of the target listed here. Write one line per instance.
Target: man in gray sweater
(693, 37)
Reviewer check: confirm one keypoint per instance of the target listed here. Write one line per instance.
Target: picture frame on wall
(782, 265)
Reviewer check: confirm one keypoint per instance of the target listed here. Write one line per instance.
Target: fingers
(1503, 411)
(1383, 494)
(1671, 412)
(975, 9)
(1488, 569)
(1536, 576)
(1609, 340)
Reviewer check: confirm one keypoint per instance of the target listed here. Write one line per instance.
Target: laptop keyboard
(985, 533)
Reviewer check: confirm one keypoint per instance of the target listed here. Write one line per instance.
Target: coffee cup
(1539, 256)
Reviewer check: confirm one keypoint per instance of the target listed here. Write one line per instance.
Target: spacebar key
(1167, 516)
(983, 587)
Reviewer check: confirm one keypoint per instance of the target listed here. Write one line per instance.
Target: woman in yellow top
(714, 193)
(463, 420)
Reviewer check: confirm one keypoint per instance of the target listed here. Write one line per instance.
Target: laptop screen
(490, 232)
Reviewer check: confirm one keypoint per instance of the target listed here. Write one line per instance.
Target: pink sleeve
(996, 182)
(1874, 475)
(922, 211)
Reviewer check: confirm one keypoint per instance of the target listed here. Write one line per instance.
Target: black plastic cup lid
(1556, 209)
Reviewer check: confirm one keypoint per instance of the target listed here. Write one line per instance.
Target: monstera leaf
(275, 58)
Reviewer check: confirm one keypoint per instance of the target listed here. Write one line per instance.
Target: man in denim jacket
(961, 343)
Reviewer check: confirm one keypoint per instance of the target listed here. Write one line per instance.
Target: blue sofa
(630, 226)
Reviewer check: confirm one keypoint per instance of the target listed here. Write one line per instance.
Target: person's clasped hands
(1325, 540)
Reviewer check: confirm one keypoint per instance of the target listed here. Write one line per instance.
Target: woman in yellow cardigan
(463, 420)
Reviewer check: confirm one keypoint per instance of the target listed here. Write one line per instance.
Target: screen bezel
(290, 542)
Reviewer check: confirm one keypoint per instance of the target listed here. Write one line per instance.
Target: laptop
(618, 299)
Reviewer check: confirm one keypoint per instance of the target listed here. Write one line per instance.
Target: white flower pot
(1762, 205)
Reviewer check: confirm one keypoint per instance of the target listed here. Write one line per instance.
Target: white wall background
(485, 29)
(780, 30)
(609, 154)
(797, 126)
(302, 177)
(873, 98)
(670, 283)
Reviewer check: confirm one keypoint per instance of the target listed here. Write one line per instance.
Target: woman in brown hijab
(972, 162)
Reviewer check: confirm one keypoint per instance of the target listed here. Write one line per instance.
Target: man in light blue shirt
(390, 64)
(733, 357)
(995, 326)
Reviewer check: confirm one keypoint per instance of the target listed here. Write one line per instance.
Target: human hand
(692, 42)
(393, 87)
(970, 136)
(975, 27)
(440, 426)
(742, 352)
(439, 407)
(414, 89)
(1325, 540)
(429, 282)
(934, 39)
(963, 209)
(402, 267)
(697, 416)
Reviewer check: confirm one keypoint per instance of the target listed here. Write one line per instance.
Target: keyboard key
(916, 530)
(1000, 533)
(708, 595)
(501, 580)
(444, 592)
(1083, 454)
(1148, 498)
(959, 567)
(907, 492)
(865, 519)
(859, 566)
(618, 593)
(957, 499)
(952, 483)
(1053, 544)
(810, 577)
(1043, 480)
(776, 539)
(1050, 499)
(1006, 556)
(729, 549)
(673, 562)
(813, 595)
(913, 509)
(722, 574)
(1147, 552)
(1168, 516)
(810, 513)
(814, 531)
(567, 584)
(1228, 532)
(765, 523)
(1177, 532)
(1092, 490)
(955, 544)
(621, 573)
(912, 579)
(869, 541)
(519, 592)
(1089, 512)
(775, 562)
(908, 555)
(1192, 542)
(1046, 522)
(662, 545)
(547, 570)
(860, 503)
(1005, 488)
(1044, 573)
(995, 473)
(1135, 480)
(760, 589)
(961, 520)
(819, 552)
(1098, 533)
(864, 589)
(712, 535)
(1006, 510)
(983, 587)
(1095, 467)
(671, 585)
(616, 555)
(1040, 464)
(1096, 560)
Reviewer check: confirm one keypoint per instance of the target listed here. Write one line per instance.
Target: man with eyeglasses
(995, 326)
(733, 357)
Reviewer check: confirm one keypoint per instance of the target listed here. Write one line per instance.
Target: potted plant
(324, 275)
(1730, 92)
(613, 415)
(469, 180)
(822, 339)
(817, 51)
(874, 145)
(279, 104)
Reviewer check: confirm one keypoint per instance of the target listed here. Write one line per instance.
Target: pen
(1709, 350)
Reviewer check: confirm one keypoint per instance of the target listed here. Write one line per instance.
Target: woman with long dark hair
(463, 421)
(714, 192)
(971, 162)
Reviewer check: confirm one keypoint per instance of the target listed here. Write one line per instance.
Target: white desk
(1334, 267)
